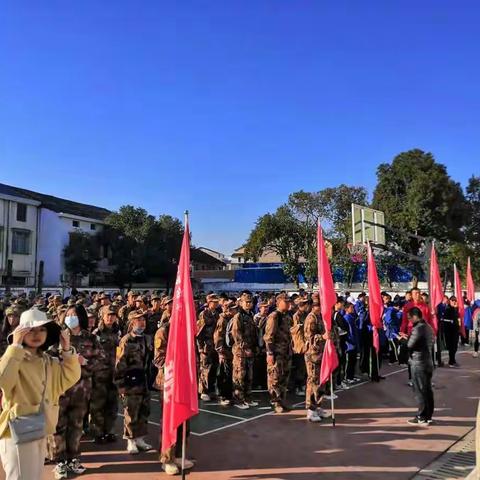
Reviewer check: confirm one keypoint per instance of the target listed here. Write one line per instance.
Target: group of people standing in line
(111, 349)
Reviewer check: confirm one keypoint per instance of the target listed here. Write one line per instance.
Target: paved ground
(370, 441)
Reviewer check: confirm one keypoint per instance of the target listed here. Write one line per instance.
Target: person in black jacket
(451, 330)
(420, 346)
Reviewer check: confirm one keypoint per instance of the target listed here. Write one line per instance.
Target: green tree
(281, 233)
(81, 256)
(419, 197)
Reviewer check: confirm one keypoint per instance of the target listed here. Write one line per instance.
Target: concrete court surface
(371, 439)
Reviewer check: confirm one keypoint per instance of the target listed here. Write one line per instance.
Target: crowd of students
(244, 341)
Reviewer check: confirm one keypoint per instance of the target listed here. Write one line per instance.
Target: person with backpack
(297, 372)
(222, 339)
(279, 350)
(206, 324)
(244, 347)
(260, 363)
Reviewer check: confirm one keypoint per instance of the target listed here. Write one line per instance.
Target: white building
(35, 227)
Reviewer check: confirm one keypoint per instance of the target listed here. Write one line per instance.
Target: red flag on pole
(180, 401)
(435, 287)
(459, 295)
(470, 284)
(328, 297)
(375, 303)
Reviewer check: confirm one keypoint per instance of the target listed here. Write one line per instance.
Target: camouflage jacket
(219, 336)
(244, 333)
(260, 323)
(297, 332)
(160, 353)
(277, 336)
(108, 341)
(131, 364)
(313, 331)
(206, 324)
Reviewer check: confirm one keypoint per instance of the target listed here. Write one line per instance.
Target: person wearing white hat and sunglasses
(32, 383)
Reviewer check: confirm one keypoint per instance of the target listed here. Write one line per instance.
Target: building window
(21, 242)
(75, 223)
(21, 212)
(93, 226)
(14, 281)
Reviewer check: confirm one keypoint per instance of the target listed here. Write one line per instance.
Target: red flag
(435, 287)
(328, 297)
(375, 303)
(180, 401)
(459, 295)
(470, 284)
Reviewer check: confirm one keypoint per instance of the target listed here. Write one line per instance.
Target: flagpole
(184, 424)
(331, 400)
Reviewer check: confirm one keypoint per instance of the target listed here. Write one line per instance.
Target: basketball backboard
(367, 225)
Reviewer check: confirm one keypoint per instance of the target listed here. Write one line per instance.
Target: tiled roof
(56, 204)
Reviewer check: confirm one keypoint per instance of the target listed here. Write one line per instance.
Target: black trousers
(366, 344)
(224, 379)
(298, 372)
(351, 363)
(476, 343)
(260, 371)
(451, 334)
(422, 390)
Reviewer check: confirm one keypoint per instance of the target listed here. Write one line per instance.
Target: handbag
(28, 428)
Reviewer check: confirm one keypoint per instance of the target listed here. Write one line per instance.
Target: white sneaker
(323, 413)
(188, 463)
(205, 397)
(313, 417)
(225, 402)
(475, 354)
(252, 403)
(330, 397)
(142, 444)
(60, 471)
(242, 406)
(171, 468)
(76, 467)
(132, 447)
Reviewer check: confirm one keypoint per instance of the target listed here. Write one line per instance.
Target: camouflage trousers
(103, 405)
(208, 371)
(242, 377)
(277, 379)
(136, 410)
(64, 444)
(314, 391)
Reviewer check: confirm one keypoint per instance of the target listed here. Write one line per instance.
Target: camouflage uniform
(314, 343)
(131, 380)
(123, 313)
(65, 443)
(278, 343)
(244, 334)
(160, 354)
(207, 321)
(104, 401)
(224, 375)
(298, 374)
(260, 363)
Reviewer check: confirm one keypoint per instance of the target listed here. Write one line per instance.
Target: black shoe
(100, 440)
(110, 438)
(417, 421)
(430, 421)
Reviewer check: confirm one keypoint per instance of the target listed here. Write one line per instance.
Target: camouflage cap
(212, 298)
(167, 300)
(133, 315)
(104, 296)
(71, 302)
(111, 310)
(12, 311)
(282, 296)
(263, 303)
(301, 301)
(156, 296)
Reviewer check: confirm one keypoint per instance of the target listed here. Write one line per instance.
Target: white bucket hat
(33, 318)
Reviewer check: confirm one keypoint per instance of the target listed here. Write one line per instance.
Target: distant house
(35, 227)
(201, 260)
(238, 257)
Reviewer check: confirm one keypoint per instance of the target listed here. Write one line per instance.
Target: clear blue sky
(225, 107)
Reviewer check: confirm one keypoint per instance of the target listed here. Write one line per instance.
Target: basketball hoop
(358, 252)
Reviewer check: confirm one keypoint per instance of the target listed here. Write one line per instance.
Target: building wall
(55, 229)
(23, 263)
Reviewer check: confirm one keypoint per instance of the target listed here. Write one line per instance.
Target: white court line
(208, 432)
